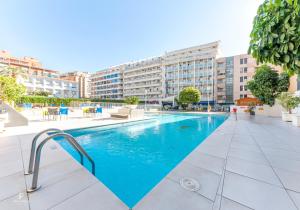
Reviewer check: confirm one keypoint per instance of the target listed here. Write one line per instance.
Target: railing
(33, 145)
(37, 155)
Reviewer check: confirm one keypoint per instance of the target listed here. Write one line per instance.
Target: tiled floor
(251, 163)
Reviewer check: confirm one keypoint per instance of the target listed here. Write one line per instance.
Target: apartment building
(83, 79)
(221, 80)
(234, 72)
(224, 80)
(144, 79)
(194, 66)
(37, 78)
(108, 83)
(165, 76)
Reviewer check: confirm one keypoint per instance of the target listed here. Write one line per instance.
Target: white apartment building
(165, 76)
(55, 86)
(144, 79)
(108, 83)
(194, 66)
(38, 78)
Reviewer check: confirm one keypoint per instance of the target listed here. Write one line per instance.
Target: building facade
(83, 79)
(37, 78)
(155, 79)
(144, 79)
(108, 83)
(194, 66)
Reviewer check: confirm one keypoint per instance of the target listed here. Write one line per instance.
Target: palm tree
(14, 72)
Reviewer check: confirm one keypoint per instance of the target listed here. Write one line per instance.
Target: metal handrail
(33, 145)
(71, 140)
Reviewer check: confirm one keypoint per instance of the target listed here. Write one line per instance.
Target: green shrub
(132, 100)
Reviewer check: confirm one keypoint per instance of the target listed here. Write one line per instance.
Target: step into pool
(132, 158)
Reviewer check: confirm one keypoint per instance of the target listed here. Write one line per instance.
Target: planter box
(1, 125)
(4, 117)
(296, 120)
(131, 106)
(287, 117)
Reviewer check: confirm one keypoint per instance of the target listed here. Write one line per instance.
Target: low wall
(14, 118)
(265, 110)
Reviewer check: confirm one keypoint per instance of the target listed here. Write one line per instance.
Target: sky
(91, 35)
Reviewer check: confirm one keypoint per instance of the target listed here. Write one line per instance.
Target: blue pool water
(132, 158)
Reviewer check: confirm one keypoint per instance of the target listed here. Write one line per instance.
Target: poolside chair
(54, 112)
(63, 111)
(98, 111)
(123, 113)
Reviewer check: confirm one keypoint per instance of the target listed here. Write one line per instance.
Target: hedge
(58, 101)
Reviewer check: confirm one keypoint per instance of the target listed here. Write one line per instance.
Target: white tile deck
(251, 163)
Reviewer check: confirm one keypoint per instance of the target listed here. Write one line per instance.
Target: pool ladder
(35, 155)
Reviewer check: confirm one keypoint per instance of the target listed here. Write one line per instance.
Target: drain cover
(184, 127)
(189, 184)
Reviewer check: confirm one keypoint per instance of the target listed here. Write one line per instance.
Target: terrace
(251, 163)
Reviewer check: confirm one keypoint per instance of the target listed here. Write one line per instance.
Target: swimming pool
(132, 158)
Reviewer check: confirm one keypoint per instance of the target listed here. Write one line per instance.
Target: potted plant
(132, 102)
(288, 103)
(251, 108)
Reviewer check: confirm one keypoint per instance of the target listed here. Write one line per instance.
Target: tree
(275, 37)
(10, 90)
(14, 72)
(132, 100)
(267, 84)
(288, 101)
(189, 95)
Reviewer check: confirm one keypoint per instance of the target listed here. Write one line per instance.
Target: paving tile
(166, 194)
(255, 194)
(51, 153)
(289, 179)
(284, 154)
(253, 170)
(295, 197)
(55, 172)
(98, 197)
(51, 195)
(11, 167)
(217, 203)
(287, 164)
(17, 202)
(256, 157)
(213, 150)
(10, 155)
(209, 162)
(208, 180)
(11, 185)
(246, 139)
(246, 147)
(227, 204)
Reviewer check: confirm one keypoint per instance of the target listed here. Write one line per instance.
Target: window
(241, 88)
(245, 96)
(241, 79)
(245, 88)
(245, 70)
(241, 70)
(245, 60)
(241, 96)
(245, 77)
(241, 61)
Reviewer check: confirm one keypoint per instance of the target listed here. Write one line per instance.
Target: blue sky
(91, 35)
